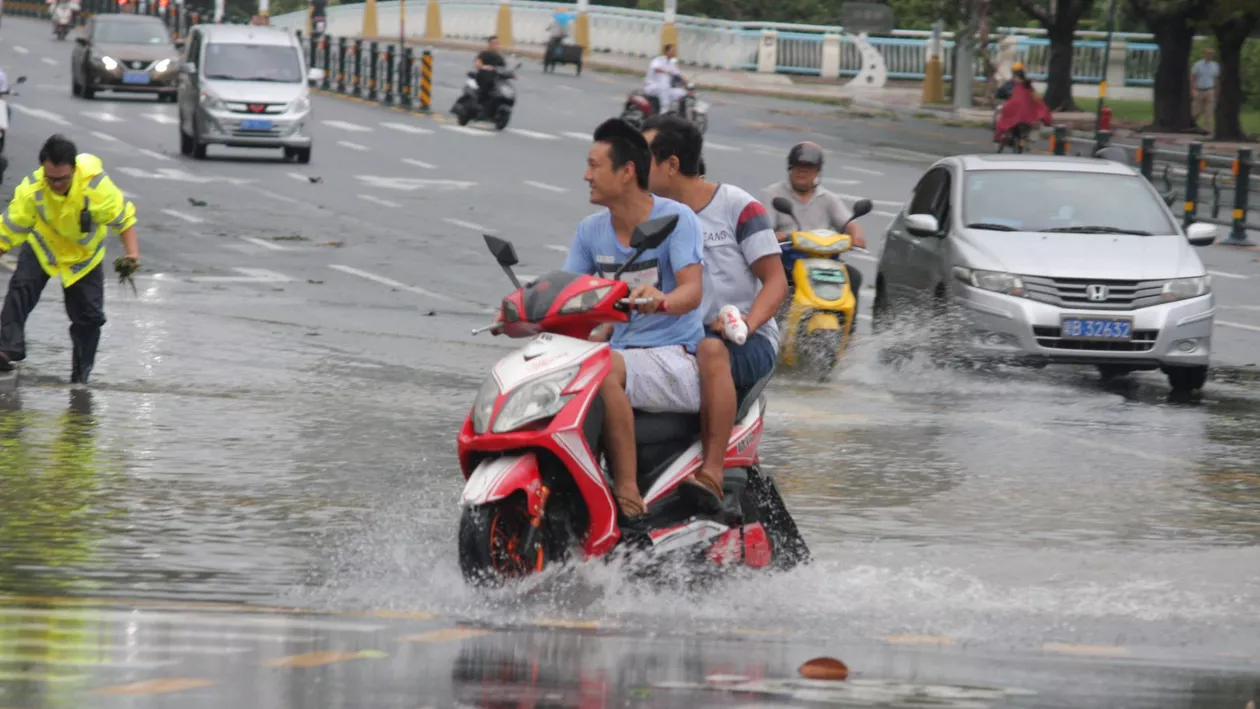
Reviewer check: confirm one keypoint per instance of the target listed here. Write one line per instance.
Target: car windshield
(1055, 201)
(253, 62)
(131, 33)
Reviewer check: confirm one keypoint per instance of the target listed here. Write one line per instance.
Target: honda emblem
(1097, 294)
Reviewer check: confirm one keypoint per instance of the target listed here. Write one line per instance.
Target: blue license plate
(255, 124)
(136, 77)
(1096, 329)
(827, 276)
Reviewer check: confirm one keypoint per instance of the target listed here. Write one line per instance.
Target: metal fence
(374, 71)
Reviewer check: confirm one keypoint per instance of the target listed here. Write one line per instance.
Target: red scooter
(531, 447)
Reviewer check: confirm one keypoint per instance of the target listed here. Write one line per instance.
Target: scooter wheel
(490, 543)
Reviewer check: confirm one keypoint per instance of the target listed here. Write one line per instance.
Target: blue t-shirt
(597, 252)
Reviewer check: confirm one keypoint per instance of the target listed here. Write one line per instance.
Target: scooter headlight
(542, 398)
(483, 406)
(584, 301)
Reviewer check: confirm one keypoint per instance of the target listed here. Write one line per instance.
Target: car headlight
(1182, 288)
(210, 102)
(1007, 283)
(539, 399)
(109, 63)
(584, 301)
(483, 405)
(301, 104)
(162, 65)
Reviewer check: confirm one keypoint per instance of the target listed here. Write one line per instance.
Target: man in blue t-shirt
(654, 364)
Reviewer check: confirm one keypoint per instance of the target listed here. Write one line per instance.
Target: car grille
(252, 108)
(1075, 292)
(138, 64)
(1048, 337)
(273, 133)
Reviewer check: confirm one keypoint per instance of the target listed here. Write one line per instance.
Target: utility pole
(1102, 85)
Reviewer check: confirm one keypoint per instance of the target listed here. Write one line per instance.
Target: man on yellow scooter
(815, 206)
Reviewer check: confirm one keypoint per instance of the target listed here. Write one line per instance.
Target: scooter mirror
(21, 80)
(653, 233)
(502, 250)
(861, 208)
(782, 206)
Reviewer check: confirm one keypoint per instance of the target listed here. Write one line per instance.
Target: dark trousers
(85, 304)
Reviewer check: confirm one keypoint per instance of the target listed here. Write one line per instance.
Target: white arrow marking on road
(265, 244)
(578, 136)
(545, 186)
(466, 130)
(21, 50)
(252, 275)
(104, 117)
(163, 118)
(154, 154)
(558, 247)
(387, 281)
(1223, 274)
(352, 146)
(413, 183)
(469, 225)
(1238, 325)
(186, 217)
(719, 146)
(41, 113)
(49, 61)
(408, 128)
(104, 136)
(346, 125)
(177, 175)
(419, 163)
(378, 200)
(533, 134)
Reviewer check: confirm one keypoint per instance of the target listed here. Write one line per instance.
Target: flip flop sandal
(701, 493)
(621, 508)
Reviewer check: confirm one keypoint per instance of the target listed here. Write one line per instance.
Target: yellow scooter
(817, 318)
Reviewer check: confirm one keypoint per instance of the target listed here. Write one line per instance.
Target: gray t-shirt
(824, 210)
(1205, 73)
(737, 233)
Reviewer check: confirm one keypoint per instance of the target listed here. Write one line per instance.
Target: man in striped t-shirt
(742, 267)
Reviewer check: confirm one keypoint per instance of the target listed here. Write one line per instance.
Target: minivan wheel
(1185, 380)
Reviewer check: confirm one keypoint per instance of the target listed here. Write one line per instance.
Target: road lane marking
(881, 202)
(862, 257)
(277, 196)
(558, 247)
(352, 146)
(562, 623)
(320, 659)
(533, 134)
(153, 154)
(155, 686)
(163, 118)
(578, 136)
(411, 184)
(388, 281)
(720, 146)
(919, 640)
(252, 275)
(103, 117)
(884, 214)
(218, 621)
(186, 217)
(21, 50)
(41, 113)
(1096, 650)
(299, 177)
(1223, 274)
(850, 168)
(346, 125)
(444, 635)
(104, 136)
(466, 130)
(545, 186)
(378, 200)
(838, 181)
(265, 244)
(49, 61)
(161, 649)
(467, 225)
(420, 163)
(408, 128)
(1238, 325)
(41, 658)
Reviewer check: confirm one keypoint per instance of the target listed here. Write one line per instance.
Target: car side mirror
(923, 225)
(653, 233)
(502, 250)
(1201, 234)
(188, 68)
(314, 76)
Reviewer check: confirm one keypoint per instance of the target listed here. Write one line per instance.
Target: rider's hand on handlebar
(655, 299)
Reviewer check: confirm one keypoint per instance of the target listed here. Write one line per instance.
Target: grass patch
(1142, 113)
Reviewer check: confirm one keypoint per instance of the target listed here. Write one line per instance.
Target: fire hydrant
(1104, 119)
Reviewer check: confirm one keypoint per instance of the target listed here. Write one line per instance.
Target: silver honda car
(1041, 259)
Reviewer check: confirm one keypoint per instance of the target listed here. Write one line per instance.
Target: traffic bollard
(327, 49)
(426, 81)
(404, 77)
(1059, 140)
(1242, 184)
(1193, 160)
(1146, 156)
(341, 65)
(1101, 140)
(374, 71)
(358, 68)
(387, 95)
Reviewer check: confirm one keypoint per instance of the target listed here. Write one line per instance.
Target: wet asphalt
(272, 423)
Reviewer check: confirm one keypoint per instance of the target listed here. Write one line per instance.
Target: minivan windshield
(253, 62)
(130, 32)
(1067, 202)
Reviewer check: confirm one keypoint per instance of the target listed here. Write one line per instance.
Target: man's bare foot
(630, 502)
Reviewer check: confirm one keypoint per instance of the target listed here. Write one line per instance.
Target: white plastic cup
(733, 325)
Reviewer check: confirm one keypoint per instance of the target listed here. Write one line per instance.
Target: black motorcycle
(493, 104)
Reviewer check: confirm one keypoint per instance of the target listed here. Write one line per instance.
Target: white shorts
(662, 379)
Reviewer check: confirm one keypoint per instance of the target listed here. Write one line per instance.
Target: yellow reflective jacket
(53, 224)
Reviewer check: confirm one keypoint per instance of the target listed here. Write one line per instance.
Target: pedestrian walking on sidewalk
(1204, 74)
(62, 213)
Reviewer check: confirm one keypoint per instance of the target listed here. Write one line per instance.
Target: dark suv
(126, 53)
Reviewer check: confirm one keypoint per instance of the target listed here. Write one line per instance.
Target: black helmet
(805, 153)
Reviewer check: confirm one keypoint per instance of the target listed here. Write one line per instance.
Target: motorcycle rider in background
(662, 75)
(62, 12)
(815, 206)
(487, 64)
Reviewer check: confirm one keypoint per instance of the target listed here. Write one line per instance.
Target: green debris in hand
(126, 267)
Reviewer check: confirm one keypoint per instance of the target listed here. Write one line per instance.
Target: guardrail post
(341, 65)
(1242, 186)
(1194, 159)
(387, 96)
(358, 68)
(1101, 140)
(1146, 156)
(312, 54)
(327, 49)
(404, 77)
(1058, 140)
(374, 71)
(426, 81)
